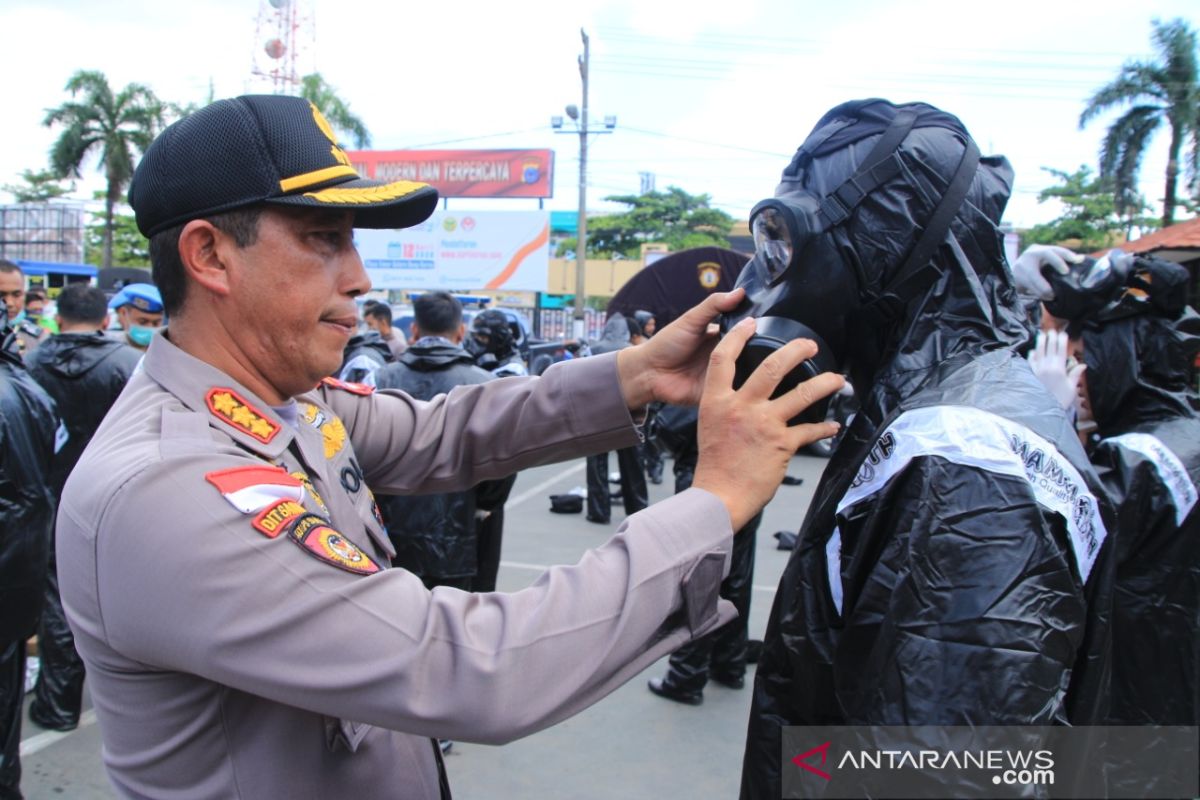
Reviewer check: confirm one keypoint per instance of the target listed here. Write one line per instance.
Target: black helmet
(492, 333)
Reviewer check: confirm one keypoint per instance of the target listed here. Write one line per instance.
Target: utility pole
(580, 117)
(581, 240)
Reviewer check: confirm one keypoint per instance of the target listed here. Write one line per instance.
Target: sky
(712, 97)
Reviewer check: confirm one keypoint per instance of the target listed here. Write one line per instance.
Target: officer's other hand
(670, 366)
(1027, 270)
(744, 439)
(1049, 359)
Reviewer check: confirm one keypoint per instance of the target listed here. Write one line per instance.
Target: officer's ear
(203, 251)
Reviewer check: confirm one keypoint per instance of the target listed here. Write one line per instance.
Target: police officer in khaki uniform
(220, 552)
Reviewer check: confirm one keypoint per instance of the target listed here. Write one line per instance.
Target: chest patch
(252, 489)
(315, 537)
(333, 432)
(271, 521)
(236, 412)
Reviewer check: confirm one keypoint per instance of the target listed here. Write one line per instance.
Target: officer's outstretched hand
(670, 366)
(1029, 269)
(744, 438)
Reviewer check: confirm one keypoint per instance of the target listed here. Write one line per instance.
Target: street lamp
(580, 118)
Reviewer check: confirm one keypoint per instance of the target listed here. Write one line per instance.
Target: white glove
(1027, 270)
(1048, 359)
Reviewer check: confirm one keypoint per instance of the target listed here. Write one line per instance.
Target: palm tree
(315, 90)
(116, 126)
(1167, 89)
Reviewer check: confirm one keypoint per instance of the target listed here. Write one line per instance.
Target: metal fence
(559, 323)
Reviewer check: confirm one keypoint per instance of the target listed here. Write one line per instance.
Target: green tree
(38, 187)
(115, 125)
(1089, 212)
(315, 90)
(129, 247)
(1167, 89)
(674, 217)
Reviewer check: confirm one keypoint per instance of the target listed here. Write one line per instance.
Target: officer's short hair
(437, 313)
(35, 294)
(7, 266)
(379, 311)
(80, 303)
(166, 266)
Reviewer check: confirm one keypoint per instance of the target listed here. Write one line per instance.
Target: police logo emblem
(709, 274)
(314, 535)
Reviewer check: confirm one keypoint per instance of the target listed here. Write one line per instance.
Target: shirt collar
(230, 407)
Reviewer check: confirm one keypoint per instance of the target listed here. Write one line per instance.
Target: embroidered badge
(331, 428)
(274, 518)
(251, 489)
(346, 386)
(319, 540)
(308, 487)
(232, 409)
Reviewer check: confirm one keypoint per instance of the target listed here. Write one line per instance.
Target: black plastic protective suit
(27, 437)
(1139, 371)
(721, 653)
(84, 373)
(439, 536)
(962, 600)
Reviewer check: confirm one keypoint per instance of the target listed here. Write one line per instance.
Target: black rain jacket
(939, 577)
(27, 436)
(84, 373)
(435, 535)
(1148, 413)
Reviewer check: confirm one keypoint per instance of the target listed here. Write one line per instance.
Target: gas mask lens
(773, 240)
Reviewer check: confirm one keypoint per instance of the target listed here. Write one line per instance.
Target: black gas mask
(805, 280)
(791, 296)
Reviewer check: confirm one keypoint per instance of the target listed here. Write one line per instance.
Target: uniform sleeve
(962, 603)
(202, 592)
(487, 430)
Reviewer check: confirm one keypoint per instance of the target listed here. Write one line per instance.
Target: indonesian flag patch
(253, 489)
(320, 541)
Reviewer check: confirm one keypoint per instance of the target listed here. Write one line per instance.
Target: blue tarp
(46, 267)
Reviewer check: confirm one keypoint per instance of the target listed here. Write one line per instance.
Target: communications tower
(284, 41)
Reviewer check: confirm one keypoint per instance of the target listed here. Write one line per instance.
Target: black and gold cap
(262, 149)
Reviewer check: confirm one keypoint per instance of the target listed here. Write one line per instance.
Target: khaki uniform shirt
(224, 576)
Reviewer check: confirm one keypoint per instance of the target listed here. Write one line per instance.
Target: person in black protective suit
(29, 430)
(1139, 343)
(83, 370)
(720, 655)
(652, 457)
(452, 538)
(634, 495)
(952, 568)
(494, 344)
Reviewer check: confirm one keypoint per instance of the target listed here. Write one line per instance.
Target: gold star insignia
(224, 403)
(242, 416)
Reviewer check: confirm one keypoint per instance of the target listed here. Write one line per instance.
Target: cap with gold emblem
(262, 149)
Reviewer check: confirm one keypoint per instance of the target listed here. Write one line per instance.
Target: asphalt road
(630, 745)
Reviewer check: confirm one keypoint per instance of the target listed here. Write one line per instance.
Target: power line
(470, 138)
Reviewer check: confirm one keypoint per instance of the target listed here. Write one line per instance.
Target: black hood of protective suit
(1140, 369)
(73, 355)
(971, 308)
(430, 354)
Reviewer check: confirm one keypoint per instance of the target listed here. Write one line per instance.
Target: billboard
(461, 251)
(463, 173)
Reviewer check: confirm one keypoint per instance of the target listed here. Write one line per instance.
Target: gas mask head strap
(880, 166)
(919, 272)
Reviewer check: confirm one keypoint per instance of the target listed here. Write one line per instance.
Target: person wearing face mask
(26, 332)
(1138, 340)
(940, 565)
(139, 308)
